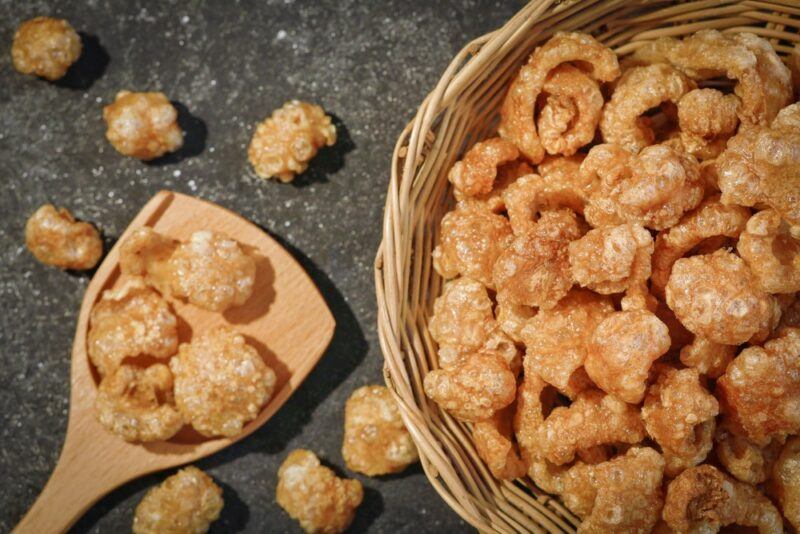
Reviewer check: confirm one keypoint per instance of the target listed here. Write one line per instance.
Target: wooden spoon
(286, 319)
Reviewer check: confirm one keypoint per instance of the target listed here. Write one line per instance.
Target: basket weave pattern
(463, 108)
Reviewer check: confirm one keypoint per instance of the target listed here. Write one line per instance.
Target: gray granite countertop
(228, 64)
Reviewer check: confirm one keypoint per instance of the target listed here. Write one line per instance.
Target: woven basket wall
(463, 108)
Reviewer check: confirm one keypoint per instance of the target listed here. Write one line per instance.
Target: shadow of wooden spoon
(286, 320)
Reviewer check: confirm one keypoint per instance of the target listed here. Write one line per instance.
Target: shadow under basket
(462, 109)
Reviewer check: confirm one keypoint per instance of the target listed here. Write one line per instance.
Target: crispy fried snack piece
(535, 400)
(679, 414)
(760, 391)
(475, 174)
(210, 270)
(744, 459)
(653, 188)
(557, 340)
(46, 47)
(565, 170)
(763, 82)
(637, 91)
(517, 121)
(471, 240)
(185, 503)
(376, 442)
(571, 111)
(785, 484)
(55, 238)
(143, 125)
(130, 321)
(473, 390)
(493, 201)
(534, 269)
(531, 195)
(621, 351)
(511, 318)
(702, 499)
(717, 297)
(137, 403)
(221, 382)
(314, 496)
(285, 142)
(771, 252)
(710, 220)
(709, 358)
(494, 441)
(707, 119)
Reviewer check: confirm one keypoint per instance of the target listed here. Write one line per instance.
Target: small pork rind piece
(132, 320)
(376, 442)
(785, 483)
(517, 120)
(210, 270)
(54, 237)
(494, 441)
(493, 201)
(535, 399)
(471, 240)
(474, 389)
(557, 340)
(703, 499)
(771, 252)
(475, 174)
(532, 195)
(760, 391)
(221, 382)
(313, 495)
(637, 91)
(744, 459)
(143, 125)
(285, 142)
(709, 358)
(679, 414)
(534, 269)
(185, 503)
(137, 403)
(511, 318)
(46, 47)
(707, 119)
(717, 297)
(653, 188)
(622, 349)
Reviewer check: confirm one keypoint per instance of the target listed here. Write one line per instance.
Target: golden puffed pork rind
(55, 238)
(785, 483)
(46, 47)
(494, 441)
(143, 125)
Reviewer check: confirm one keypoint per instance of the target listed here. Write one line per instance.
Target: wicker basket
(461, 109)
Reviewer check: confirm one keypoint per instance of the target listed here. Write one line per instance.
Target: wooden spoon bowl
(286, 320)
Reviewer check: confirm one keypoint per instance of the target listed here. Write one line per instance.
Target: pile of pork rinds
(619, 320)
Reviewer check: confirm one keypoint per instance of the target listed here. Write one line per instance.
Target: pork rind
(679, 414)
(376, 441)
(137, 403)
(709, 358)
(475, 174)
(621, 351)
(494, 441)
(717, 297)
(285, 142)
(511, 318)
(637, 91)
(707, 119)
(785, 484)
(210, 270)
(493, 201)
(534, 269)
(185, 503)
(471, 240)
(761, 165)
(557, 340)
(517, 122)
(221, 382)
(771, 252)
(143, 125)
(527, 198)
(46, 47)
(703, 499)
(744, 459)
(710, 220)
(760, 391)
(474, 389)
(132, 320)
(54, 237)
(763, 82)
(653, 188)
(314, 496)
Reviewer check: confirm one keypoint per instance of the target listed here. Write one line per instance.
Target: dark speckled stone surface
(369, 63)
